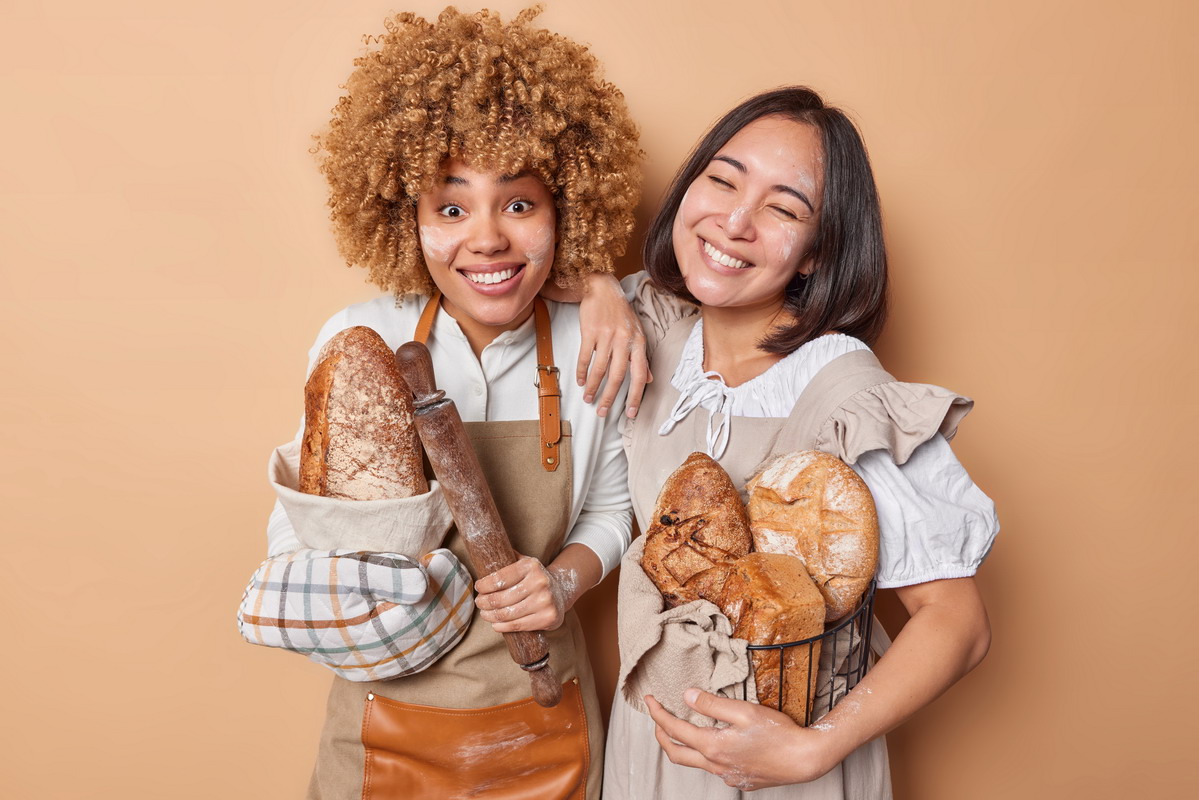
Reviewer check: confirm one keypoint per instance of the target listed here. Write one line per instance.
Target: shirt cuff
(607, 534)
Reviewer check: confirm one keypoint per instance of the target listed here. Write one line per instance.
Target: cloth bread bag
(415, 597)
(410, 526)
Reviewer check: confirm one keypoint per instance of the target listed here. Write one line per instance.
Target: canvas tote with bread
(367, 412)
(370, 524)
(782, 569)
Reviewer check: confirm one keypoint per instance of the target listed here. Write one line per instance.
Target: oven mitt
(365, 616)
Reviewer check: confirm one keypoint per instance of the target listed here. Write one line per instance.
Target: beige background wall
(166, 262)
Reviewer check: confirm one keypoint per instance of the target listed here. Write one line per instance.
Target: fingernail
(580, 381)
(587, 398)
(632, 413)
(690, 696)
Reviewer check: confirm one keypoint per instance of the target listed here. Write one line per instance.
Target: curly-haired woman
(470, 162)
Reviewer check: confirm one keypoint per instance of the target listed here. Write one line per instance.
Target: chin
(497, 312)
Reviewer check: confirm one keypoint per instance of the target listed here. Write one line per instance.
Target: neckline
(693, 357)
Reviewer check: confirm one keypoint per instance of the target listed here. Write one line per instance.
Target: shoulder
(858, 406)
(802, 365)
(658, 310)
(394, 321)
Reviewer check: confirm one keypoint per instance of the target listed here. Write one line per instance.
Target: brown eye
(452, 211)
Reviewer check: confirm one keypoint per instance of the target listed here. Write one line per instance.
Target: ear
(806, 267)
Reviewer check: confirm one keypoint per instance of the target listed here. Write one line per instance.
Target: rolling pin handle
(547, 691)
(417, 368)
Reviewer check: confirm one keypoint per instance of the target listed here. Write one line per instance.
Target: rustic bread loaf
(770, 599)
(699, 521)
(811, 505)
(359, 440)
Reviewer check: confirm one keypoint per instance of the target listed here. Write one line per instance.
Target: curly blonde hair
(509, 97)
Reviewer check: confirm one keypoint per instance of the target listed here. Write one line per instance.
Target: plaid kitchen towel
(366, 616)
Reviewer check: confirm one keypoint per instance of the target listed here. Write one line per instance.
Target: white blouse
(934, 522)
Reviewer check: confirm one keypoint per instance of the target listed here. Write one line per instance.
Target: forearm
(575, 294)
(576, 570)
(945, 638)
(941, 642)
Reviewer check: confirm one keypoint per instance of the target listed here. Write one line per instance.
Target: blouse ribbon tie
(709, 387)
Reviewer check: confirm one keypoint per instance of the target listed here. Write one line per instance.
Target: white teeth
(490, 277)
(724, 258)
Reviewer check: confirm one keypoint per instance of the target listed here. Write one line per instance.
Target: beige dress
(850, 407)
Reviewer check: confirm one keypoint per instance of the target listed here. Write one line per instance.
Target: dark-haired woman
(772, 228)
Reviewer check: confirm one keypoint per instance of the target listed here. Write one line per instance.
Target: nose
(739, 223)
(486, 235)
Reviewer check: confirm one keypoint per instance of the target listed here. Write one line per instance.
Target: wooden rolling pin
(457, 467)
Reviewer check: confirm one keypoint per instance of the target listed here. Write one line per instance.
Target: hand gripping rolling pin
(457, 468)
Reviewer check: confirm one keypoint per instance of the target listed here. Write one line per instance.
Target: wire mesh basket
(835, 661)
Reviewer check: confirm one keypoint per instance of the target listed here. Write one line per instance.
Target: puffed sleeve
(934, 522)
(893, 416)
(656, 309)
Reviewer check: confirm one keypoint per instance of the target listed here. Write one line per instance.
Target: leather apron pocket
(514, 751)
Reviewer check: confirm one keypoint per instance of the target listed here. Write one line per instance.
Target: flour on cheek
(788, 246)
(541, 249)
(438, 245)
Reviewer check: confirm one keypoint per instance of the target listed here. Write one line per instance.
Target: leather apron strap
(549, 395)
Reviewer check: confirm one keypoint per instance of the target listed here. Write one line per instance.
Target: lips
(490, 277)
(493, 278)
(723, 258)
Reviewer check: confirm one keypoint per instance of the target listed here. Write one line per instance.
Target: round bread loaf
(812, 506)
(699, 521)
(359, 439)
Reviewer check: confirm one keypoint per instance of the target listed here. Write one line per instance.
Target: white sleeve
(605, 522)
(280, 535)
(934, 522)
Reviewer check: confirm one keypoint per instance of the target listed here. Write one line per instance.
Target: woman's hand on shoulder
(612, 343)
(761, 747)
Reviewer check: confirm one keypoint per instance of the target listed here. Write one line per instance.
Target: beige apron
(467, 726)
(636, 766)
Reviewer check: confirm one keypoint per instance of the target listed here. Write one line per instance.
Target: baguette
(359, 440)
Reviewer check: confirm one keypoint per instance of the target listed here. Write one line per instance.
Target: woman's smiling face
(746, 224)
(488, 241)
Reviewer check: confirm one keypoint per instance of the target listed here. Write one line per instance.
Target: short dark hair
(847, 292)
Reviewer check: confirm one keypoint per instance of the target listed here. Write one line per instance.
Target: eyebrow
(457, 181)
(778, 187)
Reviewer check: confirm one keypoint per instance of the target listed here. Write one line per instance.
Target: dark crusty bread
(699, 521)
(811, 505)
(359, 440)
(770, 599)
